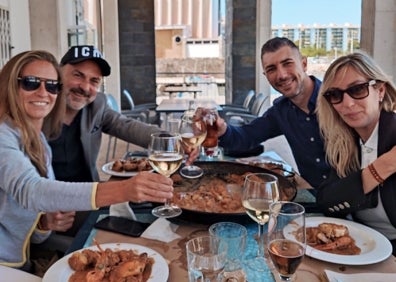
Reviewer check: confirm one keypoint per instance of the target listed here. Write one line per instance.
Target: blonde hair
(12, 109)
(339, 138)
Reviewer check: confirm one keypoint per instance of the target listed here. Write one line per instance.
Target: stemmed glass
(259, 191)
(210, 144)
(165, 156)
(286, 233)
(193, 132)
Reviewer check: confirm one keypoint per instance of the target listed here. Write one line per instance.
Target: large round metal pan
(287, 188)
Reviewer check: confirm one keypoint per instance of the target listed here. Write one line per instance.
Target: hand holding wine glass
(165, 156)
(260, 190)
(193, 132)
(286, 233)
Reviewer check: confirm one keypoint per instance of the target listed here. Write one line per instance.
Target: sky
(322, 12)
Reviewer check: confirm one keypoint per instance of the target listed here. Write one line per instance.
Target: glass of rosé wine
(286, 234)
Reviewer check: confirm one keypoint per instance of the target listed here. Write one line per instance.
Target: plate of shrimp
(345, 242)
(110, 262)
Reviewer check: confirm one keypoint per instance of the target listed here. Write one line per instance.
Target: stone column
(378, 37)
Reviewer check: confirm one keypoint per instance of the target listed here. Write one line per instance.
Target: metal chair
(112, 102)
(241, 118)
(246, 106)
(148, 109)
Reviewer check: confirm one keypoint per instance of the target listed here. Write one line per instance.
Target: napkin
(122, 210)
(161, 230)
(361, 277)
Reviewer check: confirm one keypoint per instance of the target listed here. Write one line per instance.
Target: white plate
(106, 168)
(61, 271)
(374, 246)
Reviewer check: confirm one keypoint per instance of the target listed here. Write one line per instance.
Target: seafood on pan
(217, 194)
(110, 265)
(332, 238)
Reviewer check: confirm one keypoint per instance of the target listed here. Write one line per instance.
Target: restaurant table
(182, 89)
(179, 105)
(174, 252)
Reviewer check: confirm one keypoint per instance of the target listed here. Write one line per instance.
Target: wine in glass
(193, 132)
(210, 144)
(259, 191)
(166, 156)
(286, 233)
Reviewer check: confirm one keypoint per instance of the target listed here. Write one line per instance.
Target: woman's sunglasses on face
(358, 91)
(31, 83)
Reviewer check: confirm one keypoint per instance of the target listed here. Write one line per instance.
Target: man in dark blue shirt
(292, 114)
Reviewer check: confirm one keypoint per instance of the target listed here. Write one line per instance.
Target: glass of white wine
(287, 240)
(259, 191)
(193, 132)
(165, 156)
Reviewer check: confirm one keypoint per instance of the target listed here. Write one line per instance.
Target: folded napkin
(161, 230)
(122, 210)
(361, 277)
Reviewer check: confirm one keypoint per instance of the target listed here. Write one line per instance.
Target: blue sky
(308, 12)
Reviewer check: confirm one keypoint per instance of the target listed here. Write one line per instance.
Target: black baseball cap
(78, 54)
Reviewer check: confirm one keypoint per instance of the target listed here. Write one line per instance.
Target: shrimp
(339, 243)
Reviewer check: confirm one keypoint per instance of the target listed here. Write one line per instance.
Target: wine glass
(193, 132)
(259, 191)
(210, 144)
(286, 233)
(165, 156)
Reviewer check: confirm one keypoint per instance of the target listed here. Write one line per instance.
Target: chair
(112, 102)
(148, 109)
(246, 106)
(241, 118)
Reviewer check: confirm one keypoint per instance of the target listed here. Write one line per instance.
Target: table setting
(246, 219)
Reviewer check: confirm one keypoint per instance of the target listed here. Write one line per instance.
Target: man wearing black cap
(87, 116)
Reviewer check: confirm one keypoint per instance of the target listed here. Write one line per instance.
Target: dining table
(182, 89)
(311, 269)
(180, 105)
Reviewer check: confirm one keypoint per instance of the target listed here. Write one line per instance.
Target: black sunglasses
(31, 83)
(358, 91)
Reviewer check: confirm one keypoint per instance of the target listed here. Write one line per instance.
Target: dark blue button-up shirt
(300, 129)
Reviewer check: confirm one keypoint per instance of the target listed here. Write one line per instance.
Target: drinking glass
(259, 191)
(210, 144)
(206, 259)
(286, 233)
(234, 235)
(165, 156)
(193, 132)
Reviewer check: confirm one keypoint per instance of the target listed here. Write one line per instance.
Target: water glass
(206, 259)
(173, 123)
(217, 154)
(234, 235)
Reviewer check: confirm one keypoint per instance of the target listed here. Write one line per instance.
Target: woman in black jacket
(356, 117)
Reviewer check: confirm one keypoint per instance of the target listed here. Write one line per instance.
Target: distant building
(334, 37)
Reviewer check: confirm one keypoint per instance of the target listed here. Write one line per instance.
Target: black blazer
(339, 197)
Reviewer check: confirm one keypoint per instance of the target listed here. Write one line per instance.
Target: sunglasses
(358, 91)
(31, 83)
